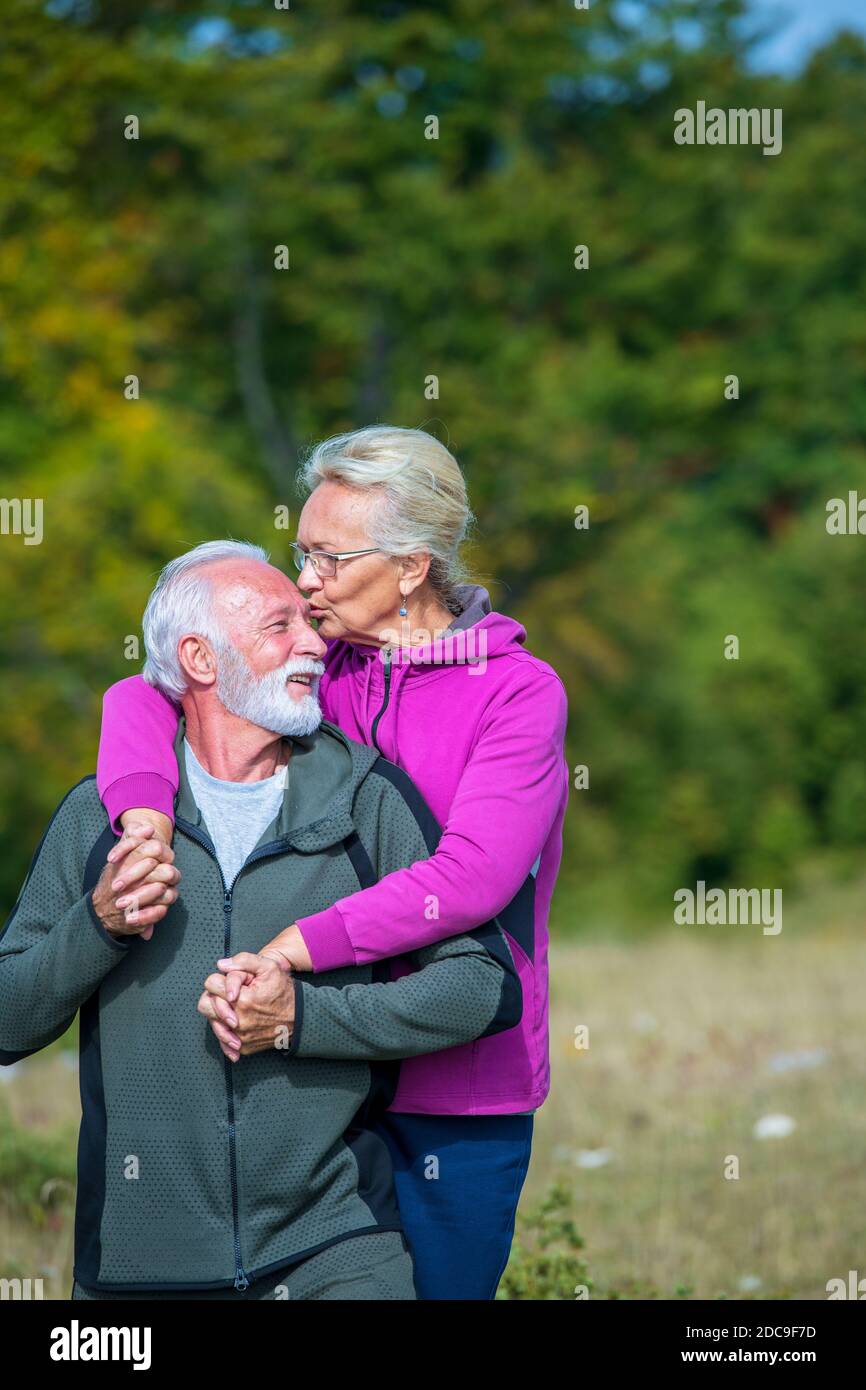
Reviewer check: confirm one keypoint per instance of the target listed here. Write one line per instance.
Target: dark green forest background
(557, 387)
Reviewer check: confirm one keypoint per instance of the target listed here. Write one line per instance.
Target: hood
(325, 770)
(474, 605)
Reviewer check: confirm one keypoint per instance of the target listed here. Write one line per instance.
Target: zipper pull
(242, 1283)
(227, 900)
(386, 693)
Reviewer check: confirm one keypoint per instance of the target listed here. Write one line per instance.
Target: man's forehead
(241, 587)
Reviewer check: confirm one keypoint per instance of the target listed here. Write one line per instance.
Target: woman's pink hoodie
(478, 723)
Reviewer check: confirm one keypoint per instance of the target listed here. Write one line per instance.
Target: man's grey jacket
(194, 1172)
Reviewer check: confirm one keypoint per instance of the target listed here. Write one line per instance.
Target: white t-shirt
(235, 813)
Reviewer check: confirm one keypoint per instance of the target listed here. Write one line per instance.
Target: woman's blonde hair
(423, 503)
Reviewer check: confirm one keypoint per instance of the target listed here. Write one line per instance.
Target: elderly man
(201, 1175)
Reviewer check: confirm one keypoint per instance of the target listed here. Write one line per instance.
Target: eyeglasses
(324, 564)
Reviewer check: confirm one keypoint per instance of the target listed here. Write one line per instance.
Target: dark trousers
(458, 1181)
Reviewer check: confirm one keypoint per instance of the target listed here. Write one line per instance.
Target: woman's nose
(308, 579)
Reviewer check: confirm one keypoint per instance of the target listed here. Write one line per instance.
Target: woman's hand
(291, 947)
(143, 815)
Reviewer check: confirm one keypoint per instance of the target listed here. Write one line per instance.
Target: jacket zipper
(241, 1282)
(384, 705)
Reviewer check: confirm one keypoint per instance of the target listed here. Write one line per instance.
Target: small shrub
(37, 1172)
(544, 1263)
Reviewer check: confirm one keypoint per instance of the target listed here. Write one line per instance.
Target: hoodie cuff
(326, 939)
(138, 789)
(295, 1040)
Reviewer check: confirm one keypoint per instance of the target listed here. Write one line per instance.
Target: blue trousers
(458, 1181)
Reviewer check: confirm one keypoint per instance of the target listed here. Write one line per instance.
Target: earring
(403, 608)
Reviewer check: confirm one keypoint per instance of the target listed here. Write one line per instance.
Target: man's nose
(310, 644)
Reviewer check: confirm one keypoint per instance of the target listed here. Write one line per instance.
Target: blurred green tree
(454, 258)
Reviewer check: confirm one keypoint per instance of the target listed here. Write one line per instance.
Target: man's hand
(262, 1013)
(137, 886)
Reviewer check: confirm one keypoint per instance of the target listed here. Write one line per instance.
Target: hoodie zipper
(241, 1282)
(384, 705)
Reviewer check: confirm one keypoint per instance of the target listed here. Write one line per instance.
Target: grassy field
(694, 1036)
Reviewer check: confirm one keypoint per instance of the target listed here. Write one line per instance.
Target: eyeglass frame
(298, 550)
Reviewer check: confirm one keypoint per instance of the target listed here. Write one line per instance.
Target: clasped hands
(251, 1006)
(250, 999)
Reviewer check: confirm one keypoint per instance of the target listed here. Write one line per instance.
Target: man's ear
(197, 660)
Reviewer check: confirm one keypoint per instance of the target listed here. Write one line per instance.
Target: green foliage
(37, 1172)
(454, 257)
(544, 1263)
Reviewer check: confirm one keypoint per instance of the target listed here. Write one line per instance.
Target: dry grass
(682, 1033)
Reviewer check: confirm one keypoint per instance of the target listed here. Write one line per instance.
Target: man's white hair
(182, 602)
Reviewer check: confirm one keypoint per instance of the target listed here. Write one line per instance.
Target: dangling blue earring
(403, 609)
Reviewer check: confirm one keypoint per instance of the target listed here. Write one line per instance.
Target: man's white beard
(264, 700)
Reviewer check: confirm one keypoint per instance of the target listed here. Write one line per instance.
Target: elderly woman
(421, 668)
